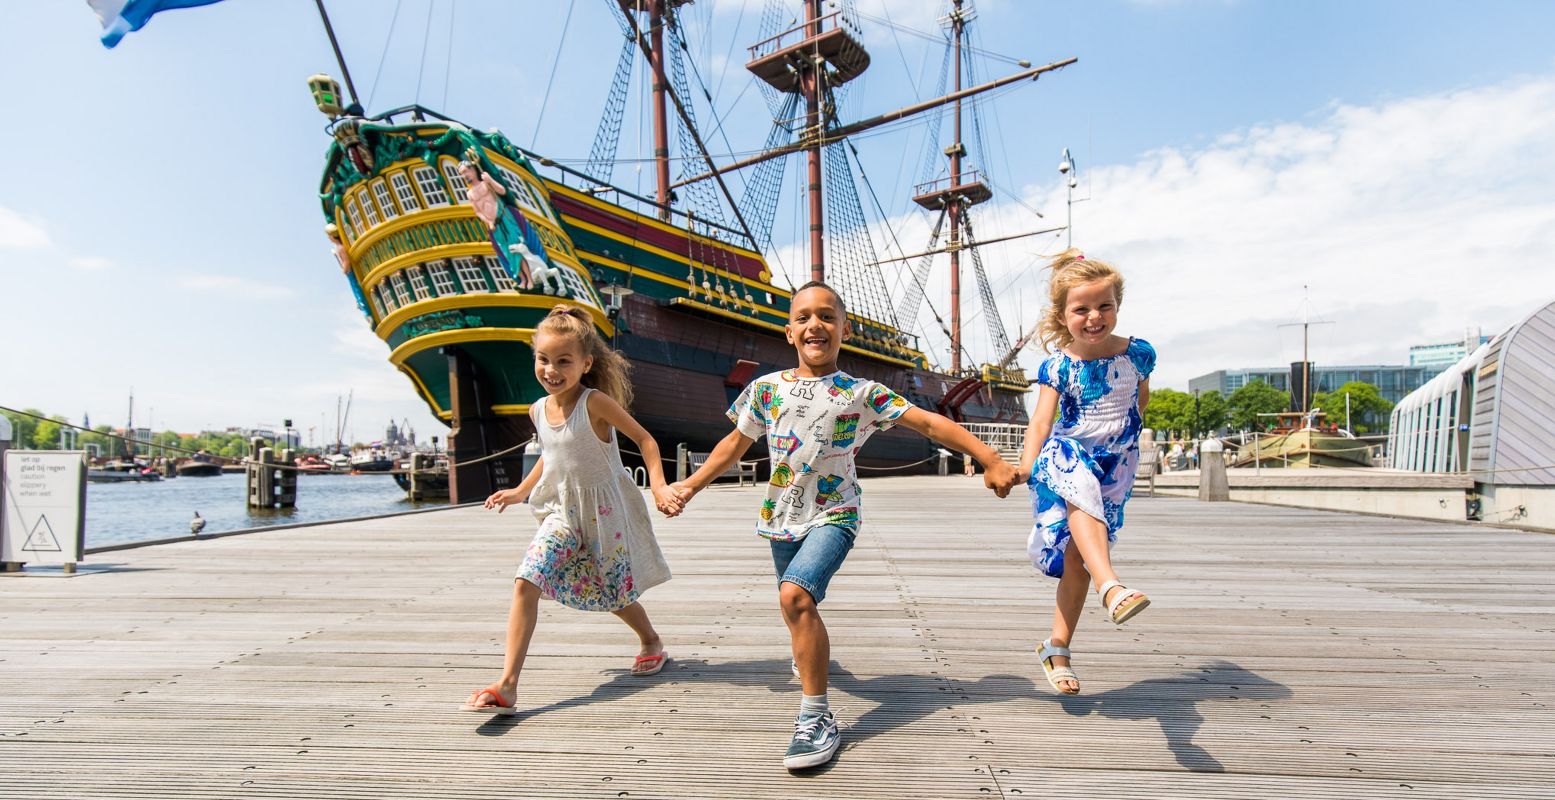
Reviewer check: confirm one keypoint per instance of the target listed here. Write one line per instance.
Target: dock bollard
(680, 462)
(1213, 486)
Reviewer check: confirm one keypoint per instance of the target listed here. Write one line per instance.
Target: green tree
(45, 436)
(1169, 410)
(1213, 412)
(1257, 397)
(1368, 408)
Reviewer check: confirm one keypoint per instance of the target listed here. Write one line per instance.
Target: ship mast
(661, 138)
(810, 82)
(959, 191)
(810, 59)
(954, 199)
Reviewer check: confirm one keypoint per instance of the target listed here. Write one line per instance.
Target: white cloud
(1408, 220)
(17, 232)
(90, 263)
(234, 286)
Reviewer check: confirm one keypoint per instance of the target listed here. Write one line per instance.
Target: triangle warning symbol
(41, 540)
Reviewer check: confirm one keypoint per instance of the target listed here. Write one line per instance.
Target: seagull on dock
(197, 524)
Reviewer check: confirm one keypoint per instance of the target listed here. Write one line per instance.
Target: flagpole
(329, 29)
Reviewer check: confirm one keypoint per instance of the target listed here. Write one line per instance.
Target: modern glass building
(1442, 355)
(1393, 382)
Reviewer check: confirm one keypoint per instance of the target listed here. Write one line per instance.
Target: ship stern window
(523, 193)
(381, 291)
(418, 282)
(355, 213)
(455, 180)
(431, 187)
(442, 280)
(369, 209)
(403, 191)
(401, 294)
(500, 276)
(385, 202)
(471, 277)
(377, 303)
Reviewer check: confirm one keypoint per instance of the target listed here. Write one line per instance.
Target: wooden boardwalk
(1289, 653)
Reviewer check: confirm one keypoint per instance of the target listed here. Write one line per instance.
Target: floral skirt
(1068, 476)
(576, 571)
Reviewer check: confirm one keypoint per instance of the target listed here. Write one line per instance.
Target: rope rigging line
(426, 36)
(448, 68)
(996, 333)
(556, 61)
(759, 203)
(701, 194)
(383, 56)
(607, 137)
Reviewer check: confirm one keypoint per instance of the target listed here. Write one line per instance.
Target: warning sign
(42, 540)
(45, 507)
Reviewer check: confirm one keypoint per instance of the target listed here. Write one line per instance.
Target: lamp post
(1065, 168)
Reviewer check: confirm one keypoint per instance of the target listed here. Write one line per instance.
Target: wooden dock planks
(1304, 653)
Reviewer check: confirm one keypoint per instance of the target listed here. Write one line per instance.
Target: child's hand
(683, 492)
(668, 501)
(1000, 478)
(503, 499)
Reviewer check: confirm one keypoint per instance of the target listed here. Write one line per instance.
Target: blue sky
(158, 228)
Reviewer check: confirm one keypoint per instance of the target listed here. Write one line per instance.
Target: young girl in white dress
(595, 549)
(1082, 470)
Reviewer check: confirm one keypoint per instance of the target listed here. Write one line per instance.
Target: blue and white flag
(122, 16)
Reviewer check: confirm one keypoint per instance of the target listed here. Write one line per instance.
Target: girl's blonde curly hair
(1070, 269)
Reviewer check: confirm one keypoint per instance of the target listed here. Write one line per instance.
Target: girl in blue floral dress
(595, 549)
(1082, 465)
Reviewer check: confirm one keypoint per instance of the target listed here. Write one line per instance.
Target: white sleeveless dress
(595, 549)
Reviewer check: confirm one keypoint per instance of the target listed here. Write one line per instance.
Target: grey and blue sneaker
(815, 740)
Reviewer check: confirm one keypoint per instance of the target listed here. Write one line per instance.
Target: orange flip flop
(649, 665)
(502, 706)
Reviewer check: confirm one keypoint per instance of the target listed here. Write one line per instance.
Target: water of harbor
(118, 513)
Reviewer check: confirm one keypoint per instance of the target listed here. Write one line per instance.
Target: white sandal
(1057, 675)
(1121, 609)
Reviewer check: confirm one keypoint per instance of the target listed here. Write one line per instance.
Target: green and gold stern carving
(440, 321)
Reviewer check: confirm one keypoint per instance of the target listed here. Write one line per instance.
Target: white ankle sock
(815, 703)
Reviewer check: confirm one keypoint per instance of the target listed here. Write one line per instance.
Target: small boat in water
(313, 465)
(122, 472)
(200, 465)
(373, 460)
(1304, 440)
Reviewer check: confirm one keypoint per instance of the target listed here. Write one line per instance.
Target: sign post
(45, 508)
(5, 444)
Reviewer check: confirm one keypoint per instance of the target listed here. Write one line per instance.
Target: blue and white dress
(1089, 461)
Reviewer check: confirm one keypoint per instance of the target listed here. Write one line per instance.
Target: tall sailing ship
(677, 281)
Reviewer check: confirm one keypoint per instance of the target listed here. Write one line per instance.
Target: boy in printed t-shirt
(815, 418)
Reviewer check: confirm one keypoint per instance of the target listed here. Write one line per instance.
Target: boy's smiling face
(816, 328)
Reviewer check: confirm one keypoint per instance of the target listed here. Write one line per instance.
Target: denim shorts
(810, 562)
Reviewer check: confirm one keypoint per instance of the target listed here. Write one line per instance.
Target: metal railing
(1008, 439)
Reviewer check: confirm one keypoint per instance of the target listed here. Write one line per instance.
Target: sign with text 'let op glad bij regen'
(45, 507)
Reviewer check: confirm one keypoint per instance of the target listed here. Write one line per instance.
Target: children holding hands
(1082, 466)
(595, 549)
(815, 418)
